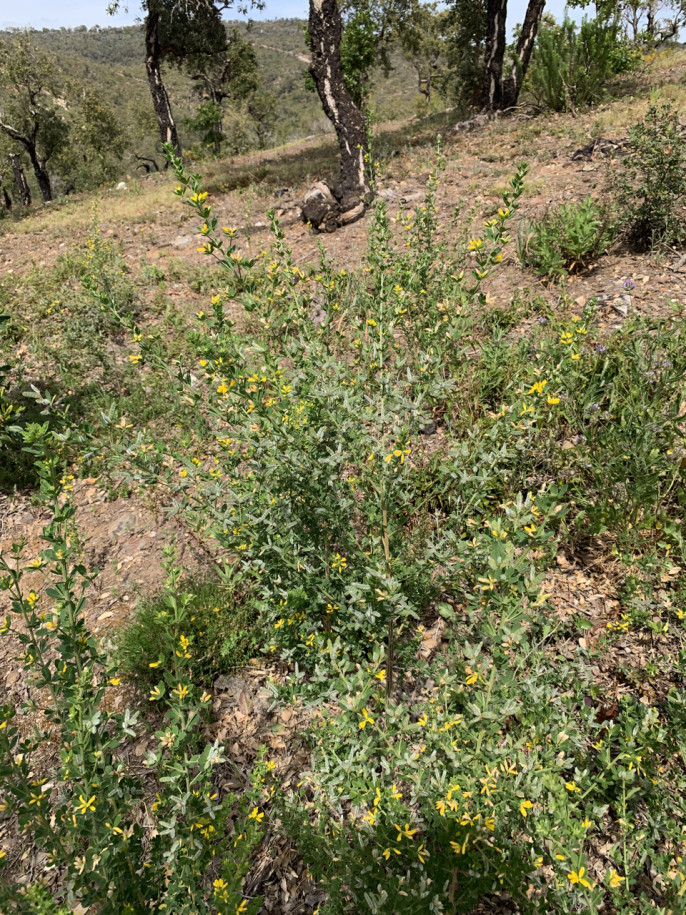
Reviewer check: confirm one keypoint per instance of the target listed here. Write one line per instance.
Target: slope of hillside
(558, 666)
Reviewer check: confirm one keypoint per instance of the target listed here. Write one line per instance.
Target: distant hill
(112, 59)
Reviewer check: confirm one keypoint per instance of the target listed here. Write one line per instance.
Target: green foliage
(84, 810)
(572, 64)
(28, 91)
(53, 121)
(359, 53)
(650, 183)
(495, 778)
(9, 416)
(208, 122)
(465, 29)
(586, 425)
(568, 239)
(96, 156)
(218, 626)
(229, 74)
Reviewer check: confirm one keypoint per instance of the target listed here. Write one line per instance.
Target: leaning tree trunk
(501, 87)
(5, 200)
(512, 83)
(160, 99)
(41, 173)
(494, 55)
(352, 190)
(20, 179)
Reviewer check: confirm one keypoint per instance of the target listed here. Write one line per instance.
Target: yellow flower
(395, 793)
(553, 401)
(366, 719)
(114, 681)
(256, 815)
(381, 676)
(241, 908)
(572, 786)
(524, 807)
(84, 805)
(422, 854)
(404, 831)
(472, 676)
(181, 691)
(136, 358)
(566, 339)
(615, 879)
(475, 244)
(578, 877)
(156, 694)
(531, 529)
(460, 849)
(339, 562)
(155, 664)
(576, 356)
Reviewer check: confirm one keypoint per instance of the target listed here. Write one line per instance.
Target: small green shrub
(116, 850)
(11, 470)
(17, 469)
(572, 64)
(219, 626)
(568, 239)
(651, 181)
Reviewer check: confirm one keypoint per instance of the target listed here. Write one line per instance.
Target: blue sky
(51, 14)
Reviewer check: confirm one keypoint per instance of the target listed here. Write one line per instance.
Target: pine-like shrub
(573, 64)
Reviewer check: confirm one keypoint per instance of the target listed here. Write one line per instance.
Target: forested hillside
(112, 61)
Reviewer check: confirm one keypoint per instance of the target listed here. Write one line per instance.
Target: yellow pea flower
(524, 807)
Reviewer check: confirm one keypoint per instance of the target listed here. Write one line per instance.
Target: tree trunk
(352, 190)
(41, 173)
(494, 55)
(650, 20)
(160, 99)
(20, 179)
(500, 88)
(6, 202)
(512, 84)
